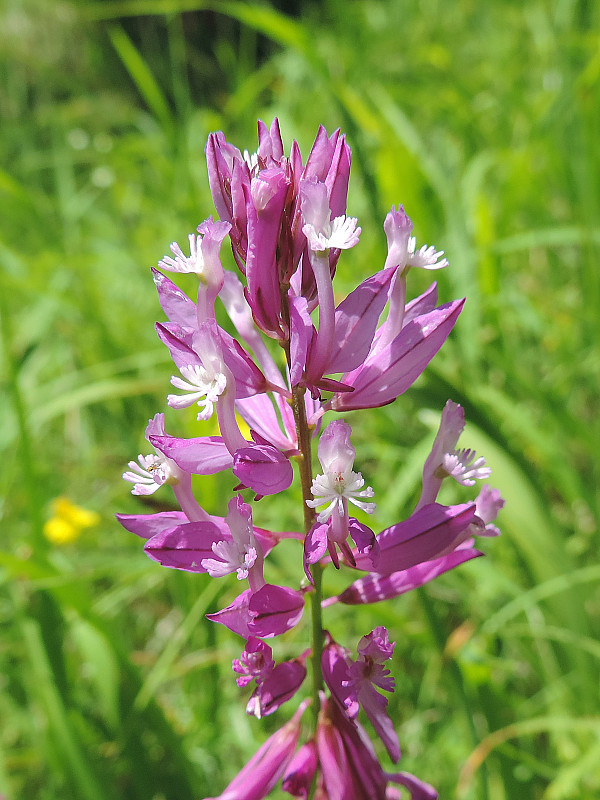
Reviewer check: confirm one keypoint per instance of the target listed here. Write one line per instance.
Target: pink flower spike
(256, 780)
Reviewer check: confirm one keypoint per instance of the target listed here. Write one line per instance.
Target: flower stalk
(287, 225)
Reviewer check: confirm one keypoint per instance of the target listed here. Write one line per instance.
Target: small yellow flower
(67, 521)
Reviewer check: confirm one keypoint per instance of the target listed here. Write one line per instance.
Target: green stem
(317, 639)
(305, 467)
(304, 459)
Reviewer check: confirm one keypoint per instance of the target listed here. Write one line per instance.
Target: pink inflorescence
(287, 224)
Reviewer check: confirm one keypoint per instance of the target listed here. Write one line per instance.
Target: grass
(482, 119)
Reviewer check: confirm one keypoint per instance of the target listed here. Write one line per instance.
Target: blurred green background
(483, 120)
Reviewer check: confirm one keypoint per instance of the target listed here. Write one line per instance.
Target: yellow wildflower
(67, 521)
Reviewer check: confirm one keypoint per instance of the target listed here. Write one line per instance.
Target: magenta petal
(274, 610)
(337, 677)
(263, 468)
(356, 319)
(220, 158)
(236, 616)
(315, 546)
(387, 374)
(373, 588)
(179, 342)
(267, 765)
(205, 455)
(365, 541)
(265, 204)
(249, 380)
(300, 772)
(176, 304)
(431, 532)
(333, 760)
(345, 741)
(148, 525)
(301, 334)
(375, 707)
(269, 141)
(338, 174)
(184, 546)
(279, 686)
(419, 790)
(422, 304)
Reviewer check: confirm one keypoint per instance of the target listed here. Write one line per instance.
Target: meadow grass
(483, 120)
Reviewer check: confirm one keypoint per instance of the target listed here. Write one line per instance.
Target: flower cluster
(287, 224)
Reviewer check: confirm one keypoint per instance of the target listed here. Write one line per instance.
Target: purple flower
(154, 470)
(445, 460)
(488, 504)
(255, 662)
(373, 588)
(353, 682)
(265, 205)
(267, 765)
(263, 468)
(268, 612)
(300, 772)
(275, 683)
(148, 525)
(204, 260)
(348, 764)
(350, 770)
(429, 533)
(242, 553)
(339, 483)
(365, 674)
(389, 371)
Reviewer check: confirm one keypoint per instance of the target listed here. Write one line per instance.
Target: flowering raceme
(287, 225)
